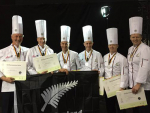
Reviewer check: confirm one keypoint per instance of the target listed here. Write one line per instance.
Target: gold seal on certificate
(46, 63)
(127, 99)
(15, 69)
(86, 64)
(65, 66)
(112, 85)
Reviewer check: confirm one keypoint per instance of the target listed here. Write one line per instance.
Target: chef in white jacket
(115, 64)
(90, 58)
(139, 62)
(68, 59)
(39, 50)
(14, 52)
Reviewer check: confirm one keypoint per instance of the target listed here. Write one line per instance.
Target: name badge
(65, 66)
(86, 64)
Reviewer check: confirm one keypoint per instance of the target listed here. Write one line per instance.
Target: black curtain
(76, 15)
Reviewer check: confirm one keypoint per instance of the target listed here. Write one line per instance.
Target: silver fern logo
(53, 94)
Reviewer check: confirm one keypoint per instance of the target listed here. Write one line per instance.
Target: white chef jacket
(34, 52)
(8, 54)
(95, 61)
(73, 62)
(117, 66)
(139, 66)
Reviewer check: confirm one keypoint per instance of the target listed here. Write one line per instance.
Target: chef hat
(17, 25)
(87, 33)
(112, 35)
(41, 28)
(135, 24)
(65, 33)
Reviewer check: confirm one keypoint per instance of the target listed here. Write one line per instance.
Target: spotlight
(105, 10)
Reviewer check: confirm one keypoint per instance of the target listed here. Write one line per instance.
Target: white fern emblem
(53, 94)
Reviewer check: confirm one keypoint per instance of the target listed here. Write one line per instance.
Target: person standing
(68, 59)
(115, 64)
(139, 62)
(91, 60)
(41, 49)
(14, 52)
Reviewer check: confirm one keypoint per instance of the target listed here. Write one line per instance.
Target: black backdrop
(76, 15)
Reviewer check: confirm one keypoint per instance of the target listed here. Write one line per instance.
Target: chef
(39, 50)
(139, 62)
(115, 64)
(68, 59)
(91, 60)
(14, 52)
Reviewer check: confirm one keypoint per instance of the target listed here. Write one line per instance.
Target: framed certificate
(127, 99)
(46, 63)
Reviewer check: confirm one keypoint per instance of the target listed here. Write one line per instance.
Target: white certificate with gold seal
(46, 63)
(14, 69)
(112, 85)
(127, 99)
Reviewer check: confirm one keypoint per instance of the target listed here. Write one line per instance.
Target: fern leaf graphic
(53, 94)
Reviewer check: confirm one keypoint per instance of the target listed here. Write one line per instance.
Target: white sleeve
(124, 73)
(1, 55)
(29, 61)
(78, 62)
(81, 61)
(1, 74)
(100, 65)
(143, 66)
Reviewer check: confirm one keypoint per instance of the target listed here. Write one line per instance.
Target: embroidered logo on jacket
(138, 55)
(118, 64)
(35, 56)
(96, 60)
(9, 56)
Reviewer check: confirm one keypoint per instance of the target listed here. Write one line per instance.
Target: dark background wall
(76, 15)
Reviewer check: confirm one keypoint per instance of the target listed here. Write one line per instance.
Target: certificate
(46, 63)
(15, 69)
(101, 86)
(112, 85)
(127, 99)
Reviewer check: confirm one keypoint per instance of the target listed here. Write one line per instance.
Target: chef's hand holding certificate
(46, 63)
(112, 85)
(127, 99)
(14, 69)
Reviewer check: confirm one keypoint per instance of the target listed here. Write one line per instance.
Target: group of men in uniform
(134, 70)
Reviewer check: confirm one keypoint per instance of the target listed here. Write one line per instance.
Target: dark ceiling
(36, 2)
